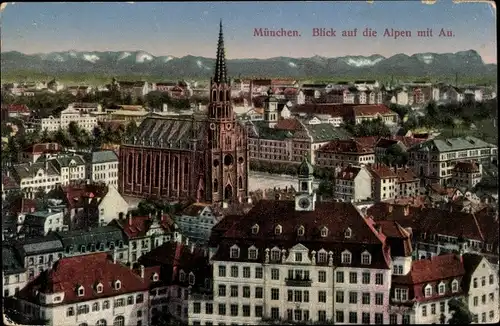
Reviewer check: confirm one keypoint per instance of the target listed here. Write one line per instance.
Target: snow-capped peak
(362, 61)
(72, 53)
(167, 59)
(291, 64)
(123, 55)
(143, 57)
(201, 65)
(426, 58)
(90, 57)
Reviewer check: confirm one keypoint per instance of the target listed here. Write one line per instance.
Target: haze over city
(180, 29)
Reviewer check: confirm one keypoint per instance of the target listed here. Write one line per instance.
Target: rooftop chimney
(192, 247)
(142, 271)
(114, 256)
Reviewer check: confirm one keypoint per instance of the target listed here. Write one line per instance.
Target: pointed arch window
(157, 171)
(148, 169)
(300, 231)
(175, 173)
(278, 229)
(240, 182)
(138, 170)
(216, 185)
(348, 233)
(324, 232)
(130, 167)
(186, 173)
(255, 229)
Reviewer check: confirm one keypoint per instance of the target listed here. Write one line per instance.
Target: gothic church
(202, 157)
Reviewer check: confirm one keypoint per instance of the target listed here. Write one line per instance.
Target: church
(200, 158)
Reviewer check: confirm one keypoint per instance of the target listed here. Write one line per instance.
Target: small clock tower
(305, 198)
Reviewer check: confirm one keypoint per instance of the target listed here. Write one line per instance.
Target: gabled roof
(470, 261)
(194, 209)
(41, 148)
(87, 271)
(382, 171)
(348, 173)
(100, 234)
(452, 144)
(28, 170)
(103, 157)
(347, 146)
(137, 226)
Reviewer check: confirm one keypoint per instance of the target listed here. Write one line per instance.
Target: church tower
(227, 140)
(305, 198)
(271, 109)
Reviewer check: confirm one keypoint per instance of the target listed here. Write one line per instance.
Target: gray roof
(27, 170)
(38, 245)
(11, 262)
(101, 234)
(452, 144)
(326, 131)
(63, 161)
(102, 157)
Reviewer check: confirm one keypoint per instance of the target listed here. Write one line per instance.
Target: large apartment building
(435, 159)
(299, 261)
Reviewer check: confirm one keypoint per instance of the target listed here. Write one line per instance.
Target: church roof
(220, 63)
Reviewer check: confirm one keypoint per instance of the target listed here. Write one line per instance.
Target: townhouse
(277, 264)
(33, 152)
(353, 184)
(144, 233)
(196, 221)
(185, 280)
(338, 154)
(466, 174)
(32, 177)
(13, 271)
(435, 159)
(84, 121)
(88, 290)
(102, 166)
(40, 223)
(420, 294)
(384, 182)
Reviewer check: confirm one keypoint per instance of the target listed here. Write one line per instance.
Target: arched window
(176, 173)
(157, 172)
(186, 173)
(166, 172)
(138, 170)
(130, 168)
(148, 169)
(216, 185)
(240, 182)
(119, 321)
(101, 322)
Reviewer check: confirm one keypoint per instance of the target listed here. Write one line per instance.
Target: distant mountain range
(120, 63)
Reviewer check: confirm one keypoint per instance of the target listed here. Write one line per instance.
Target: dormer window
(111, 245)
(98, 288)
(81, 291)
(454, 286)
(322, 256)
(252, 253)
(155, 277)
(348, 233)
(366, 258)
(278, 229)
(324, 232)
(191, 279)
(255, 229)
(120, 244)
(82, 249)
(346, 257)
(101, 247)
(118, 285)
(182, 276)
(275, 254)
(441, 288)
(235, 252)
(300, 231)
(428, 291)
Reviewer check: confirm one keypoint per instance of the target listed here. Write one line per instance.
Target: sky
(179, 29)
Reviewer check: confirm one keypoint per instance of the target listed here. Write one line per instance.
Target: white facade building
(102, 166)
(196, 222)
(83, 120)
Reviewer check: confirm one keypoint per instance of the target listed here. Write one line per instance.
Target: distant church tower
(227, 140)
(305, 198)
(271, 109)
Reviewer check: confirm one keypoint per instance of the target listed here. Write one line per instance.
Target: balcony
(298, 282)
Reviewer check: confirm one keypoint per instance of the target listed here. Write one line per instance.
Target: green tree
(61, 137)
(97, 137)
(6, 129)
(401, 110)
(460, 312)
(326, 188)
(395, 156)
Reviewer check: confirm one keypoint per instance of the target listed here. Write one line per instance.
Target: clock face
(304, 203)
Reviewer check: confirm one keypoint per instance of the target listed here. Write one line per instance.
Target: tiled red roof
(337, 217)
(18, 108)
(348, 146)
(22, 205)
(78, 193)
(138, 226)
(466, 167)
(288, 124)
(348, 173)
(290, 91)
(406, 175)
(397, 237)
(368, 141)
(43, 148)
(443, 268)
(372, 109)
(68, 274)
(8, 183)
(382, 171)
(431, 220)
(386, 142)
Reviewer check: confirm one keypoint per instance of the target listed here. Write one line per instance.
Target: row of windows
(366, 298)
(483, 299)
(96, 306)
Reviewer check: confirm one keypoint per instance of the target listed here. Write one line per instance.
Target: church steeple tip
(220, 61)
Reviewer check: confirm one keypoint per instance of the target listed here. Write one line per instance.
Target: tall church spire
(220, 64)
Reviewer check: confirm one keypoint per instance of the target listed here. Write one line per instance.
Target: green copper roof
(452, 144)
(305, 168)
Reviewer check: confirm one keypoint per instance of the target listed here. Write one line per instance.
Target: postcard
(249, 163)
